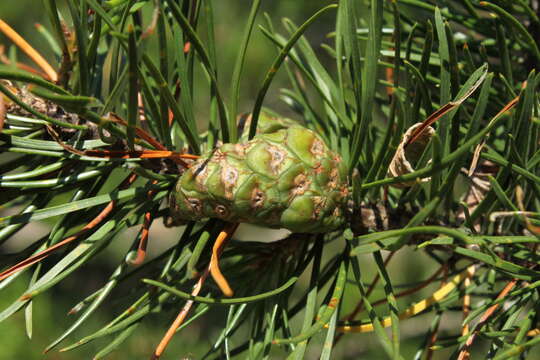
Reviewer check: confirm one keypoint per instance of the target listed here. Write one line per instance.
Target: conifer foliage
(413, 128)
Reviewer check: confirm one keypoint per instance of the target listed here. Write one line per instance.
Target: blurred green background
(50, 309)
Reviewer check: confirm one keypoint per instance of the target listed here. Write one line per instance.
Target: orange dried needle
(443, 110)
(45, 253)
(214, 261)
(148, 138)
(28, 50)
(140, 133)
(180, 318)
(213, 268)
(145, 232)
(446, 108)
(389, 74)
(464, 353)
(187, 47)
(139, 154)
(143, 242)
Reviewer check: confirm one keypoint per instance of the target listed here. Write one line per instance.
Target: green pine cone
(283, 179)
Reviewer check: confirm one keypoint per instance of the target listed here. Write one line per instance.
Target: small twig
(140, 132)
(121, 154)
(56, 137)
(29, 50)
(148, 138)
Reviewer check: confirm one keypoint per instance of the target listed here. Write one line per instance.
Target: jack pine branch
(59, 137)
